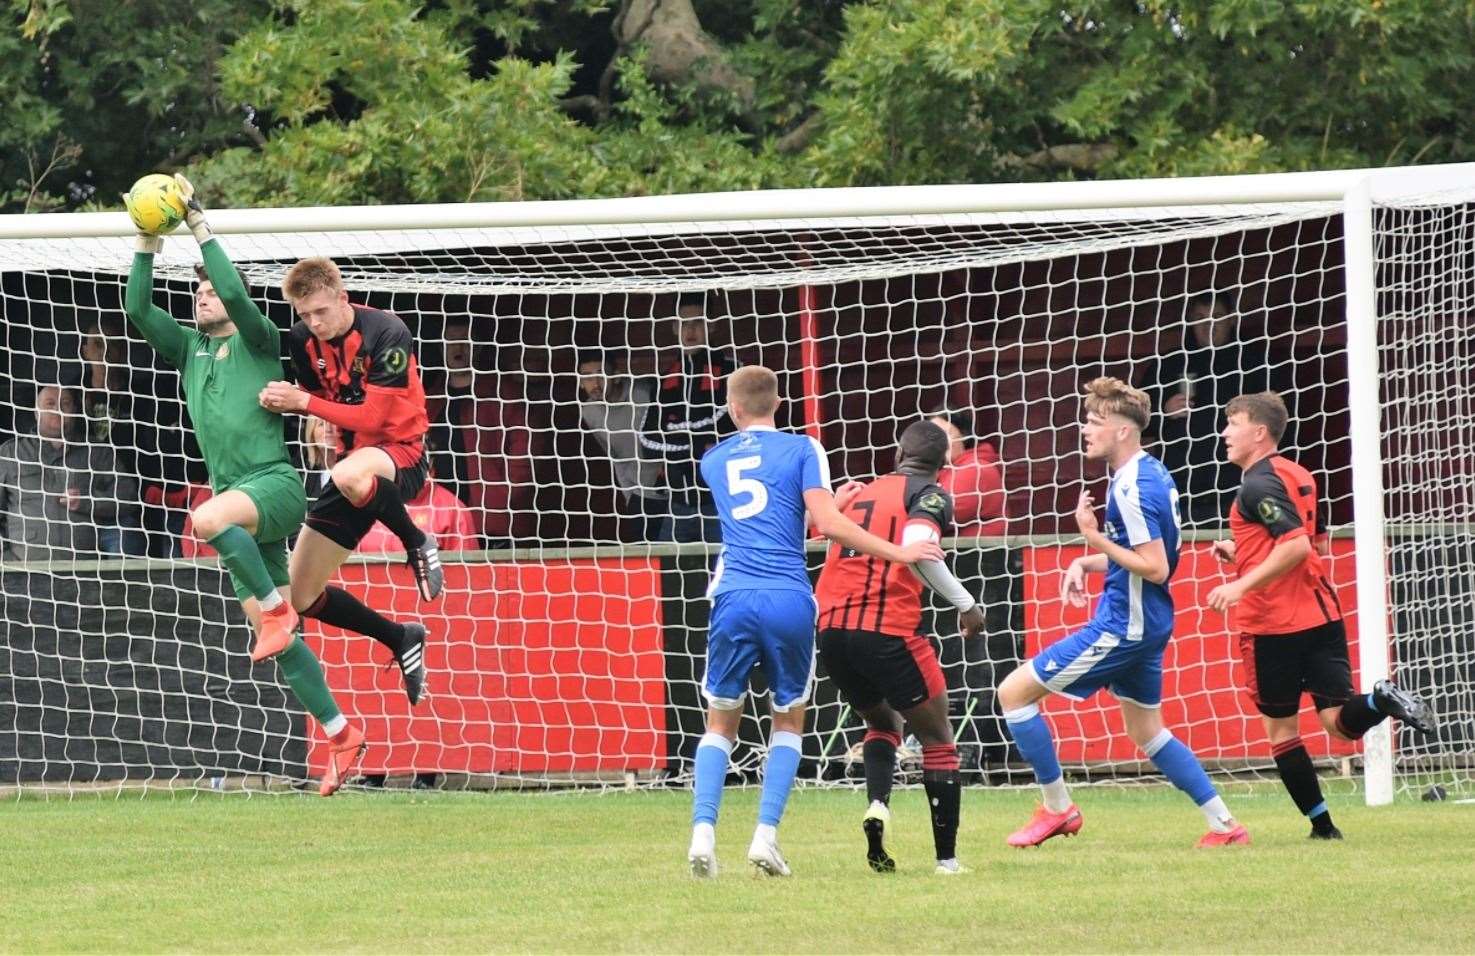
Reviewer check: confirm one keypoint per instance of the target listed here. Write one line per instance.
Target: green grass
(589, 872)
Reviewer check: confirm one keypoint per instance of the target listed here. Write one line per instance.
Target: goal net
(568, 646)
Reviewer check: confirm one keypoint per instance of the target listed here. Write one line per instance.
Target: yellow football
(155, 204)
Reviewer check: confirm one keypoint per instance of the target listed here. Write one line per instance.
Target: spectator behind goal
(56, 488)
(688, 418)
(1215, 364)
(973, 476)
(613, 405)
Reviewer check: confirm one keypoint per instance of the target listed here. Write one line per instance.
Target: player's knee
(353, 482)
(1017, 690)
(791, 720)
(208, 522)
(1281, 730)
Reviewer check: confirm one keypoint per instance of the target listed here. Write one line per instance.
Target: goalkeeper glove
(194, 215)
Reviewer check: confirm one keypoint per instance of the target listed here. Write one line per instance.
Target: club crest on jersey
(749, 439)
(222, 352)
(1269, 510)
(1110, 529)
(359, 364)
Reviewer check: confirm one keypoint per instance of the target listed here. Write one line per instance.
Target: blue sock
(1032, 736)
(784, 750)
(1178, 764)
(711, 773)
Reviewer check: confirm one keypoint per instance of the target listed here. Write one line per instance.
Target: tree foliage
(366, 101)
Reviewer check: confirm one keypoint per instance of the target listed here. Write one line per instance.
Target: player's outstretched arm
(939, 577)
(255, 328)
(156, 326)
(840, 529)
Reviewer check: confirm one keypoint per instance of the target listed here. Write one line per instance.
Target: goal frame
(1354, 191)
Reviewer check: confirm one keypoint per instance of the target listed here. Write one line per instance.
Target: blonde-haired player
(1121, 648)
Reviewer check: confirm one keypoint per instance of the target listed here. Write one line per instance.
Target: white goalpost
(568, 647)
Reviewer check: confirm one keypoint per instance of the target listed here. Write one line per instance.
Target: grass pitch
(396, 872)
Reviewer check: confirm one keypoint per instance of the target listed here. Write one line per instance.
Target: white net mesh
(568, 647)
(1426, 344)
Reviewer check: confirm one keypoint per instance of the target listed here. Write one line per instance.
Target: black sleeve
(389, 360)
(1264, 500)
(933, 504)
(297, 357)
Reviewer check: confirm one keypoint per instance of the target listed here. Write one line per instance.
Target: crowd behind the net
(104, 463)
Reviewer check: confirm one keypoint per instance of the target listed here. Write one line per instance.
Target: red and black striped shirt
(861, 593)
(367, 382)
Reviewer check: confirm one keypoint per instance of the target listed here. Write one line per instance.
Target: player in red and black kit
(356, 369)
(870, 614)
(1291, 635)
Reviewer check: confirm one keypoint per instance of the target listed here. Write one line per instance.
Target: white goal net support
(568, 647)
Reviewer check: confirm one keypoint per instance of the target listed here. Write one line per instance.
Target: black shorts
(868, 667)
(1280, 667)
(336, 519)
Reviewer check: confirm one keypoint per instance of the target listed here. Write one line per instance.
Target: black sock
(878, 754)
(1299, 777)
(389, 507)
(1358, 717)
(339, 608)
(944, 796)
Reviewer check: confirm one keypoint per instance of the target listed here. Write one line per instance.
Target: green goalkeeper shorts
(281, 506)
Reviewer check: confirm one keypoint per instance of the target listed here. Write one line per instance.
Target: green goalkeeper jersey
(221, 377)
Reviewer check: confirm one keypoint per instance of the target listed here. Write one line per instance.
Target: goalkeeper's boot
(766, 858)
(344, 753)
(1239, 835)
(277, 629)
(874, 824)
(424, 563)
(1044, 825)
(950, 868)
(702, 856)
(1407, 707)
(411, 661)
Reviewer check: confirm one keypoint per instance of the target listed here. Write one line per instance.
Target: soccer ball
(155, 204)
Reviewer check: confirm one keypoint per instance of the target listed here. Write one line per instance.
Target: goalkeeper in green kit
(224, 361)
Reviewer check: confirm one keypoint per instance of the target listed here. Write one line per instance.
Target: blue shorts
(772, 629)
(1090, 659)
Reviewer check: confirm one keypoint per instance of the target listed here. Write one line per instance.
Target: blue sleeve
(814, 466)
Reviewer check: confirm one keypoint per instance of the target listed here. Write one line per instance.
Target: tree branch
(798, 138)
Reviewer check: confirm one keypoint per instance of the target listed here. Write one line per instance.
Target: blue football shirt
(1141, 506)
(758, 478)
